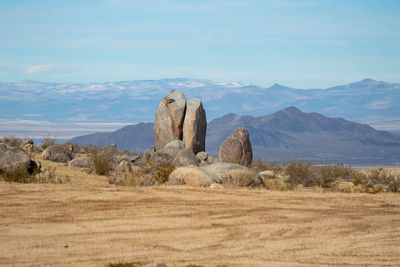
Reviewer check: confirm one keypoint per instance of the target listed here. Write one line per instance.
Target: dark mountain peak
(278, 86)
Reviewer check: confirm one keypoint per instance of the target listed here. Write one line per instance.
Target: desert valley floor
(88, 222)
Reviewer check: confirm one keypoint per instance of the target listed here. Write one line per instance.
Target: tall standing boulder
(169, 119)
(237, 148)
(195, 126)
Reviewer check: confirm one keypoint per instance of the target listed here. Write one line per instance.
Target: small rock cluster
(15, 157)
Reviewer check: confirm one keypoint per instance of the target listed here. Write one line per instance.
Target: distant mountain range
(77, 108)
(286, 135)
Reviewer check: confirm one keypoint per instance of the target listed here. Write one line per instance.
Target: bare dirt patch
(89, 222)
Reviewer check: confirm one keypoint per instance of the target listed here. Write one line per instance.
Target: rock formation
(195, 126)
(169, 119)
(82, 162)
(237, 148)
(186, 157)
(58, 153)
(13, 157)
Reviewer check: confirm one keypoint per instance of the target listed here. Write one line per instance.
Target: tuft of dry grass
(102, 162)
(11, 140)
(259, 165)
(310, 175)
(148, 174)
(240, 177)
(21, 175)
(341, 178)
(17, 174)
(125, 264)
(47, 141)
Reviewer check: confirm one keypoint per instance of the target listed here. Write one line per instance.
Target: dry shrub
(102, 162)
(377, 180)
(240, 177)
(47, 141)
(16, 174)
(259, 165)
(276, 184)
(12, 141)
(337, 178)
(21, 175)
(149, 174)
(49, 176)
(91, 149)
(310, 175)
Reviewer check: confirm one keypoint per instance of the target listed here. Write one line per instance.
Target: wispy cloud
(38, 69)
(295, 4)
(380, 104)
(32, 115)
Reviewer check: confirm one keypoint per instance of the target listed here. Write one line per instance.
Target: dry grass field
(88, 222)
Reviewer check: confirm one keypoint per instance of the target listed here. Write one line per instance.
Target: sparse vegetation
(11, 140)
(275, 166)
(47, 141)
(102, 161)
(21, 175)
(241, 177)
(17, 174)
(276, 184)
(310, 175)
(148, 174)
(341, 178)
(125, 264)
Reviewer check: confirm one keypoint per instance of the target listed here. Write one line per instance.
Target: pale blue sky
(302, 44)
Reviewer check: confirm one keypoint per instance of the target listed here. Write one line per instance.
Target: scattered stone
(211, 160)
(124, 166)
(169, 119)
(237, 148)
(216, 186)
(219, 171)
(58, 153)
(149, 152)
(203, 156)
(195, 126)
(73, 148)
(131, 158)
(172, 148)
(159, 264)
(14, 157)
(160, 158)
(117, 180)
(190, 175)
(186, 157)
(267, 174)
(27, 145)
(81, 162)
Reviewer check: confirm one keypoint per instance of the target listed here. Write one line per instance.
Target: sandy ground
(90, 223)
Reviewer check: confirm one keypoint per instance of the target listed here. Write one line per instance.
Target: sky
(302, 44)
